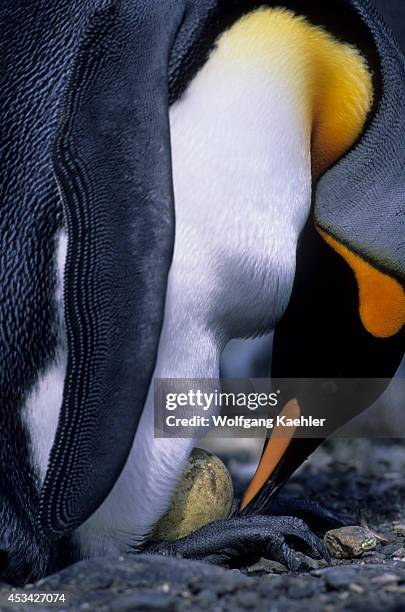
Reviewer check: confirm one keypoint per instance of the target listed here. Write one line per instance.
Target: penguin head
(342, 338)
(359, 203)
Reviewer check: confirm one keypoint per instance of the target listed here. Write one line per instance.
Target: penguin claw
(240, 541)
(317, 517)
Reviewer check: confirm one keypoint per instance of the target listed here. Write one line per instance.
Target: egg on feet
(203, 494)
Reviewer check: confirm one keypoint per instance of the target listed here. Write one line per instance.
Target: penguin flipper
(113, 167)
(238, 542)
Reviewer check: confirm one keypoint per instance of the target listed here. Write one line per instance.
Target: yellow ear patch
(381, 297)
(330, 78)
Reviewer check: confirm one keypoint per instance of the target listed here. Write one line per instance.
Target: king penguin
(161, 165)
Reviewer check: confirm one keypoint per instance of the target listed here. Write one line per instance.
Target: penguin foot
(319, 519)
(241, 541)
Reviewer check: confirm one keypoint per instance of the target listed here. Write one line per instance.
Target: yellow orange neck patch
(381, 297)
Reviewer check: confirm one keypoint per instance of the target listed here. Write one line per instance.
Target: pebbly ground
(362, 480)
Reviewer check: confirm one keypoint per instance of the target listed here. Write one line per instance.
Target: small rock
(395, 589)
(143, 601)
(385, 579)
(340, 577)
(399, 529)
(350, 542)
(203, 494)
(301, 589)
(391, 549)
(399, 555)
(247, 599)
(266, 566)
(273, 583)
(206, 598)
(309, 564)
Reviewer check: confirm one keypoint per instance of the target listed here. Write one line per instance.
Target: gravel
(358, 479)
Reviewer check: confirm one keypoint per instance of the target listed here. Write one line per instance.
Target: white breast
(242, 179)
